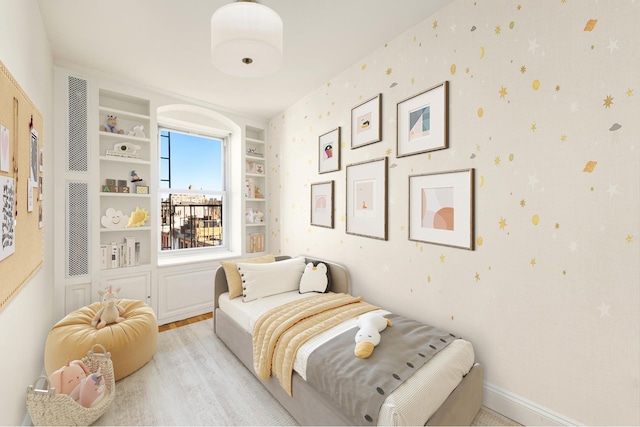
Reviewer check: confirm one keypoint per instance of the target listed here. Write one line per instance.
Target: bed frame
(308, 406)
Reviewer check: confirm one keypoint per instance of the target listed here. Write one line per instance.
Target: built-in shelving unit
(255, 190)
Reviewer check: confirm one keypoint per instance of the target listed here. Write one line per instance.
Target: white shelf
(254, 141)
(124, 160)
(255, 200)
(255, 175)
(107, 194)
(122, 113)
(123, 137)
(124, 229)
(255, 224)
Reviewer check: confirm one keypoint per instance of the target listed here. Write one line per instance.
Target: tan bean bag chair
(131, 342)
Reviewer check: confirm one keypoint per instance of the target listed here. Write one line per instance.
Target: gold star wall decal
(523, 203)
(364, 67)
(477, 277)
(563, 138)
(442, 258)
(503, 92)
(532, 262)
(496, 161)
(533, 127)
(608, 101)
(435, 24)
(497, 30)
(629, 238)
(629, 92)
(388, 151)
(523, 69)
(389, 71)
(503, 223)
(557, 88)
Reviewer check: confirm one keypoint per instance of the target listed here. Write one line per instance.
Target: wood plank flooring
(185, 322)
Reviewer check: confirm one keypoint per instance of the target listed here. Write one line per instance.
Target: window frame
(187, 254)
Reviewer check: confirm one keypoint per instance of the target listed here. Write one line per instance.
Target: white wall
(550, 298)
(26, 320)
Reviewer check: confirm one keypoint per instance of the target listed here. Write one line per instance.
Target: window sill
(169, 260)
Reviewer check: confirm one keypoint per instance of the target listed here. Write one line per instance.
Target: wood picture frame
(322, 204)
(329, 151)
(367, 198)
(423, 122)
(441, 208)
(366, 122)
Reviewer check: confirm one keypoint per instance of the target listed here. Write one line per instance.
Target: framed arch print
(329, 151)
(366, 122)
(322, 204)
(441, 208)
(423, 121)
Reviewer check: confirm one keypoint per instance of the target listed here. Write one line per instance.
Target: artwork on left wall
(21, 177)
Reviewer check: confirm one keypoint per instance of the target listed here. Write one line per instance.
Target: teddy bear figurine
(368, 336)
(110, 125)
(110, 312)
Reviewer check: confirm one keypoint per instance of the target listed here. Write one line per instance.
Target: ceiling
(165, 44)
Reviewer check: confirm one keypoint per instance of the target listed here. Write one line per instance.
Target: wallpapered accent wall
(544, 102)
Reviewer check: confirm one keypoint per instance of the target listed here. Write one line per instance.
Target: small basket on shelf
(45, 407)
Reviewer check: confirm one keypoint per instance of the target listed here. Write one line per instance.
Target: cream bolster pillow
(233, 277)
(262, 280)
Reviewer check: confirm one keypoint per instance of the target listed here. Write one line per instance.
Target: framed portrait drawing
(329, 151)
(367, 198)
(322, 204)
(423, 121)
(366, 122)
(441, 208)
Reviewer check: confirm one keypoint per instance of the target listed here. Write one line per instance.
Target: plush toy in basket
(76, 394)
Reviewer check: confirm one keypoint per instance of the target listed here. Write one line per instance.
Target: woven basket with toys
(77, 394)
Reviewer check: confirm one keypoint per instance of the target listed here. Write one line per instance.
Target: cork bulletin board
(21, 196)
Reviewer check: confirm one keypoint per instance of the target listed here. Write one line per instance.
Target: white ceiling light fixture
(246, 39)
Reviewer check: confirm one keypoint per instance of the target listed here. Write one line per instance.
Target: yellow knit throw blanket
(279, 333)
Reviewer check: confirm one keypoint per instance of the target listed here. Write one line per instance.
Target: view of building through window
(191, 190)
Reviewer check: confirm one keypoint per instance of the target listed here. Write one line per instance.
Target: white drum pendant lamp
(246, 39)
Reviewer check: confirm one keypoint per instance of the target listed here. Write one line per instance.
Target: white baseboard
(521, 410)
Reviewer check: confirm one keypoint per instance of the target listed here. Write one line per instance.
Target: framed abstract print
(366, 122)
(329, 151)
(422, 122)
(441, 208)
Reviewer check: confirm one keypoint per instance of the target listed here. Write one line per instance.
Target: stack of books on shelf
(255, 242)
(120, 254)
(124, 154)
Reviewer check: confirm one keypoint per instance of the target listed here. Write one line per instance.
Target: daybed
(419, 396)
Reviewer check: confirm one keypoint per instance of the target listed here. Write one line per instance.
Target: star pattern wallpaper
(544, 104)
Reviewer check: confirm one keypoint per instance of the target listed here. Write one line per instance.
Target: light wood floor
(184, 322)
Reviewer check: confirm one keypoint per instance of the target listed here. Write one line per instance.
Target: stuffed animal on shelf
(110, 311)
(368, 336)
(67, 380)
(137, 131)
(110, 125)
